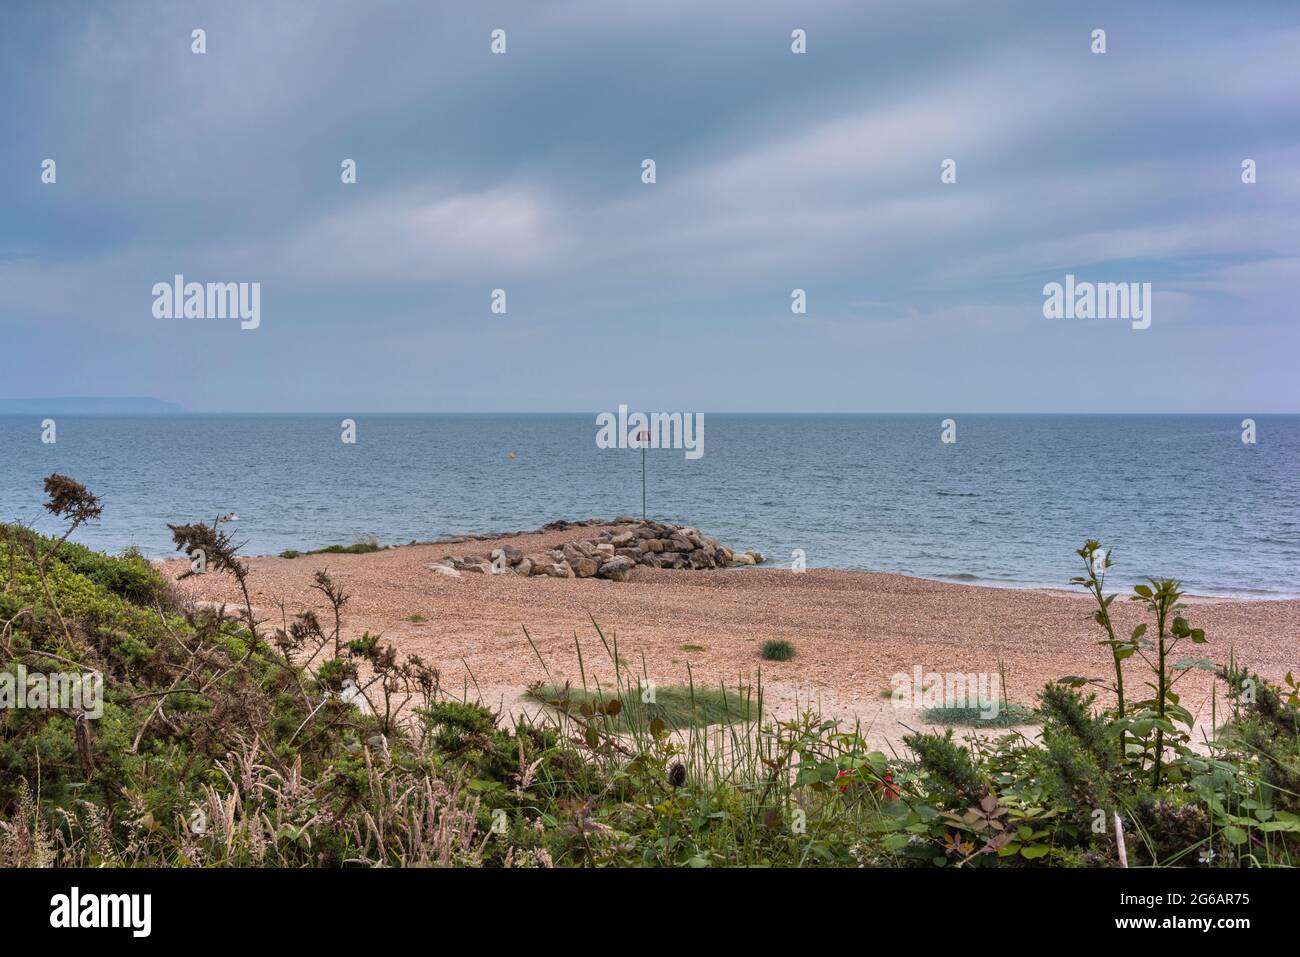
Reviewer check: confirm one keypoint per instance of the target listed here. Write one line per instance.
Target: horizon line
(522, 412)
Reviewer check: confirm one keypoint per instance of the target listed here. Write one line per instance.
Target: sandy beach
(851, 630)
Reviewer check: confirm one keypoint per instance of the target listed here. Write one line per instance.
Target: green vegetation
(1008, 716)
(692, 648)
(223, 743)
(130, 576)
(776, 649)
(363, 547)
(416, 619)
(675, 707)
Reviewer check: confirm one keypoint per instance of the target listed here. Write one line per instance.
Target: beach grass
(356, 548)
(677, 706)
(776, 649)
(1008, 716)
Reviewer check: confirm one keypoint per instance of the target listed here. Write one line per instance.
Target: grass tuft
(677, 706)
(356, 548)
(1008, 716)
(776, 649)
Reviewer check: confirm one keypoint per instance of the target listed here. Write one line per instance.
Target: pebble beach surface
(851, 630)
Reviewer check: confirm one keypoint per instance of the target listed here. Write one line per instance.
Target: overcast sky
(775, 171)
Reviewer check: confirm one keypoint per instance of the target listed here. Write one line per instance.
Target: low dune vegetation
(1007, 716)
(776, 650)
(363, 546)
(225, 740)
(643, 707)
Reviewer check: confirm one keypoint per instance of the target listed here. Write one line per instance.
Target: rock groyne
(611, 553)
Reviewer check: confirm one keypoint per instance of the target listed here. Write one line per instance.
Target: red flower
(887, 787)
(891, 789)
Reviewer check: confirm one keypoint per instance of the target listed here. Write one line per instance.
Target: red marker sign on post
(644, 439)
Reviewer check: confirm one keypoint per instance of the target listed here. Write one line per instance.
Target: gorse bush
(130, 575)
(226, 743)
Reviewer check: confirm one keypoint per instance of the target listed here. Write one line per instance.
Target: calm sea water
(1007, 504)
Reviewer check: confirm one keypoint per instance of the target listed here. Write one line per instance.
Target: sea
(1006, 501)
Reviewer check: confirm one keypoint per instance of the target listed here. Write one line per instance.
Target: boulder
(585, 567)
(743, 558)
(560, 569)
(538, 563)
(619, 568)
(525, 567)
(440, 569)
(621, 539)
(604, 549)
